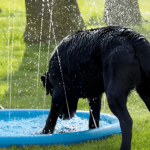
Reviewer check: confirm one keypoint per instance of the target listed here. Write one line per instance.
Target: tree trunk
(51, 20)
(122, 12)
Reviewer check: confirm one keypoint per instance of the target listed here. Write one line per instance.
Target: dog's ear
(43, 78)
(46, 83)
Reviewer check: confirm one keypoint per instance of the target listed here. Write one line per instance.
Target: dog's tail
(142, 52)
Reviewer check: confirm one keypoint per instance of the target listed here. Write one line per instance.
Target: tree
(51, 20)
(122, 12)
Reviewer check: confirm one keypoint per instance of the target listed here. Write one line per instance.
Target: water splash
(11, 70)
(49, 42)
(24, 126)
(93, 117)
(63, 83)
(8, 47)
(39, 55)
(50, 27)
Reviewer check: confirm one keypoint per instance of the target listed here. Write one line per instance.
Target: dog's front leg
(58, 102)
(51, 120)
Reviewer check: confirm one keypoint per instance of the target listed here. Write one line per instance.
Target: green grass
(12, 46)
(18, 62)
(92, 12)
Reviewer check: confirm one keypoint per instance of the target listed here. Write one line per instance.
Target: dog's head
(46, 83)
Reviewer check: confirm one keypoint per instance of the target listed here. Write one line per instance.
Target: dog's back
(86, 54)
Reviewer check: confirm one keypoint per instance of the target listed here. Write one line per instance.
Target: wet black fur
(112, 59)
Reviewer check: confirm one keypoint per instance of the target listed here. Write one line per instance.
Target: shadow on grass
(26, 89)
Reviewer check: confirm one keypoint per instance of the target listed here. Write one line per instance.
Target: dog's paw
(44, 131)
(38, 133)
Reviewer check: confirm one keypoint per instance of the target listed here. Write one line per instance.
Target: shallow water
(18, 126)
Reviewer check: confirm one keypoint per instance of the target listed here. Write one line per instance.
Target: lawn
(20, 85)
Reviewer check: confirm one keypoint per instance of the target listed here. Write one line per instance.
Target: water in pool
(18, 126)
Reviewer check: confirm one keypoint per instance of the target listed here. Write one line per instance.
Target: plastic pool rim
(57, 139)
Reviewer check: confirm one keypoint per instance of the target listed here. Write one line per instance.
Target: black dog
(87, 63)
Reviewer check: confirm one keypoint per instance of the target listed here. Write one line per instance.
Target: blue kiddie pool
(19, 127)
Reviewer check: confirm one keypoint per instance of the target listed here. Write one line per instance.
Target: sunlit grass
(92, 12)
(145, 9)
(12, 46)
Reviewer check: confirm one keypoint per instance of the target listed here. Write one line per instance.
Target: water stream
(39, 55)
(50, 8)
(11, 69)
(8, 47)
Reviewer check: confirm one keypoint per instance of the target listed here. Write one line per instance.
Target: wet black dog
(87, 63)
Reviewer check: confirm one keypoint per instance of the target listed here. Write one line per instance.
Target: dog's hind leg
(143, 90)
(57, 105)
(95, 106)
(117, 99)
